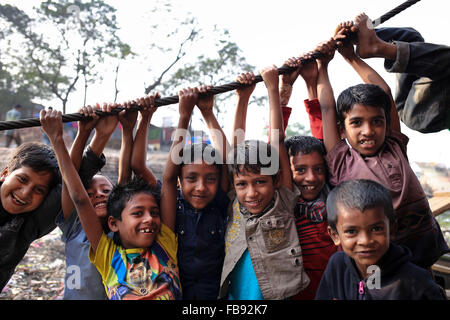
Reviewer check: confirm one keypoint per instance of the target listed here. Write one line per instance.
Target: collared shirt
(272, 241)
(201, 246)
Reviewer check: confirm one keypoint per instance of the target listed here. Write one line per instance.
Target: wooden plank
(439, 204)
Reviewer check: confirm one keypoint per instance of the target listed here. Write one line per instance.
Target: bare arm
(52, 125)
(85, 128)
(139, 155)
(188, 99)
(219, 140)
(326, 97)
(240, 117)
(128, 120)
(276, 134)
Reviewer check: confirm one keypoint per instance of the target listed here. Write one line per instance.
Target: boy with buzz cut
(30, 193)
(140, 262)
(370, 267)
(263, 257)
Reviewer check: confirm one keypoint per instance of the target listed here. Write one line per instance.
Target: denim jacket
(272, 241)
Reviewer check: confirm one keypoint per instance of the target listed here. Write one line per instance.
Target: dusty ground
(40, 274)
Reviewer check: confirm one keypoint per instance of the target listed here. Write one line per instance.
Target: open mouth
(17, 200)
(253, 204)
(308, 188)
(147, 230)
(100, 205)
(367, 143)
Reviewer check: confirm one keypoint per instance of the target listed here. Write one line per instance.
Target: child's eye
(154, 213)
(211, 179)
(40, 190)
(21, 179)
(350, 232)
(260, 181)
(300, 170)
(320, 169)
(378, 228)
(239, 184)
(355, 122)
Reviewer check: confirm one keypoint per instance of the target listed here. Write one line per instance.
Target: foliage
(61, 43)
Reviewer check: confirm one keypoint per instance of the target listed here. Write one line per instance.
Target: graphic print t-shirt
(140, 273)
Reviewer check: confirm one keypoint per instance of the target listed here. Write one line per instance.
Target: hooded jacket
(400, 279)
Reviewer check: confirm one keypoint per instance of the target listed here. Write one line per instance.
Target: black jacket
(400, 279)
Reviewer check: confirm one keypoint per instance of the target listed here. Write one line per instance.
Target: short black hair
(304, 144)
(37, 156)
(358, 194)
(369, 95)
(191, 153)
(121, 194)
(251, 156)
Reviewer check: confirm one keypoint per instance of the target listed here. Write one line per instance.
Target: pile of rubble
(40, 274)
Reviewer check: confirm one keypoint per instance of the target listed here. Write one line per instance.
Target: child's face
(98, 193)
(309, 174)
(365, 129)
(199, 183)
(254, 191)
(24, 189)
(140, 222)
(364, 236)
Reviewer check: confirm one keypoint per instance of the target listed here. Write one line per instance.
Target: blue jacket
(400, 279)
(201, 246)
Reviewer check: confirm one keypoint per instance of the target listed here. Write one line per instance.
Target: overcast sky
(269, 32)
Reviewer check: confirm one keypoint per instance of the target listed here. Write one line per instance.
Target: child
(201, 202)
(30, 200)
(263, 258)
(140, 263)
(82, 280)
(374, 148)
(423, 73)
(309, 173)
(360, 215)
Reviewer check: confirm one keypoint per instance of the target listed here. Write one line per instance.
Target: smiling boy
(142, 232)
(30, 194)
(360, 215)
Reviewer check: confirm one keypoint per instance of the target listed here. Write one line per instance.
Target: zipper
(361, 290)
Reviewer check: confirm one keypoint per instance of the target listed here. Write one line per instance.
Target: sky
(269, 32)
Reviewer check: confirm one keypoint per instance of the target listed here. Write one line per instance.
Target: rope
(35, 122)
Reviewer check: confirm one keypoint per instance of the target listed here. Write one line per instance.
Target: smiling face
(140, 222)
(309, 173)
(254, 191)
(365, 129)
(199, 184)
(24, 190)
(98, 191)
(364, 236)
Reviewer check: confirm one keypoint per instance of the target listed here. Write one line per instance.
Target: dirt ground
(40, 274)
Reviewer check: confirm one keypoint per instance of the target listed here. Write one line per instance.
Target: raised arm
(187, 100)
(85, 128)
(139, 155)
(218, 137)
(127, 119)
(243, 96)
(276, 132)
(51, 122)
(366, 72)
(326, 96)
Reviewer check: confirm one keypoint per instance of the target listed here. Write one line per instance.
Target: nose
(26, 191)
(251, 191)
(367, 129)
(200, 185)
(364, 239)
(310, 176)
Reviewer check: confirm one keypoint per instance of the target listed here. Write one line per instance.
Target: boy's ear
(334, 236)
(112, 224)
(4, 174)
(341, 128)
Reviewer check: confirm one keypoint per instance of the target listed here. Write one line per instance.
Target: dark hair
(197, 151)
(249, 155)
(37, 156)
(358, 194)
(121, 194)
(18, 106)
(368, 95)
(88, 183)
(304, 144)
